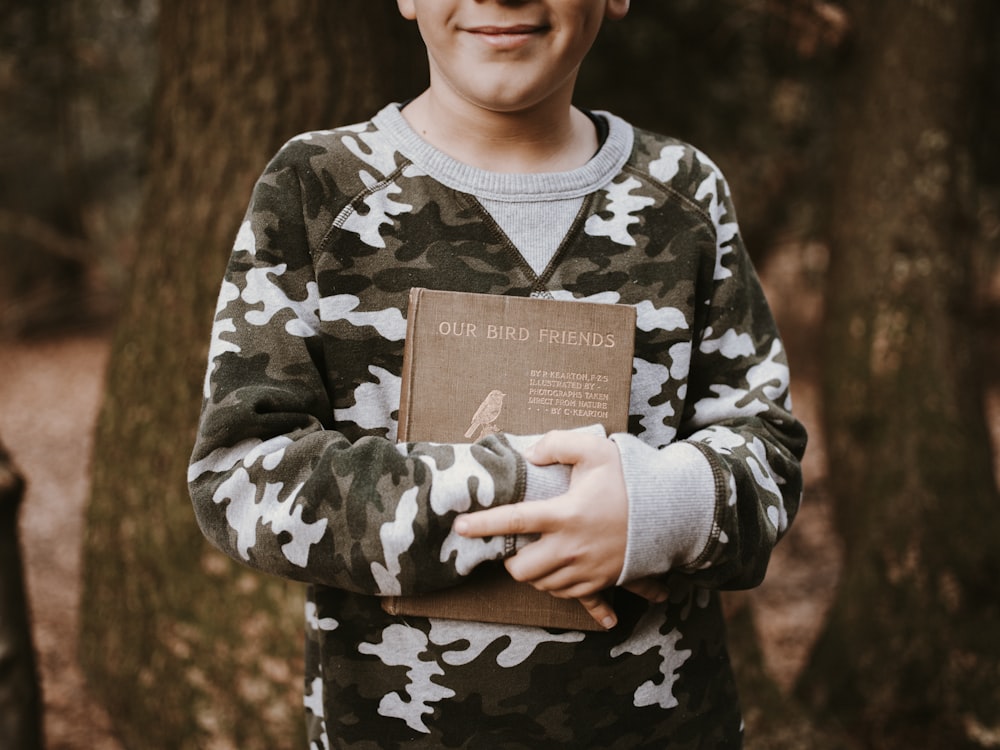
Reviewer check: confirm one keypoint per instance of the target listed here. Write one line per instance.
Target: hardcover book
(476, 364)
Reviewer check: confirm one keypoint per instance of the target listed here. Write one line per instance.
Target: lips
(506, 30)
(507, 38)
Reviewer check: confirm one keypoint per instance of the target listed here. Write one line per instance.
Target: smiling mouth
(506, 37)
(506, 30)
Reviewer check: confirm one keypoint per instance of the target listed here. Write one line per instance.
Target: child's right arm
(276, 485)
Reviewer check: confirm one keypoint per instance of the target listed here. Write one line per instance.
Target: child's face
(508, 55)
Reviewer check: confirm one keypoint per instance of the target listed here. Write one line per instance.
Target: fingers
(554, 574)
(598, 608)
(518, 518)
(566, 447)
(651, 589)
(545, 573)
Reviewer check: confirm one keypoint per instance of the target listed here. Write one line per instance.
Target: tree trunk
(185, 648)
(20, 698)
(910, 657)
(42, 283)
(772, 720)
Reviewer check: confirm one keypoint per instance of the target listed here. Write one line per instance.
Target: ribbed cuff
(671, 506)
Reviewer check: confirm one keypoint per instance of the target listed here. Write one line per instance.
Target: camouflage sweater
(296, 471)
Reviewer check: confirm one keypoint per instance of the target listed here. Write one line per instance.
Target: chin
(506, 104)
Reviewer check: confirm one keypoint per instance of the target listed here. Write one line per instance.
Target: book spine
(403, 426)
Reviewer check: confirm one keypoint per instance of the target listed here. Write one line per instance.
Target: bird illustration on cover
(486, 415)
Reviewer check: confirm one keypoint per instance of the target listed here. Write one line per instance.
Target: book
(476, 364)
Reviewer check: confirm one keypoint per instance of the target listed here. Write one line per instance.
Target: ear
(614, 11)
(407, 8)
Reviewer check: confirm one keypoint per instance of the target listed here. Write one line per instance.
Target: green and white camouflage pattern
(296, 471)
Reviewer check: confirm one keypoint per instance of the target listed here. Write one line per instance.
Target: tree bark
(910, 656)
(772, 720)
(186, 649)
(20, 697)
(40, 287)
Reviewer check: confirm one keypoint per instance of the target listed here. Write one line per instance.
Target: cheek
(407, 9)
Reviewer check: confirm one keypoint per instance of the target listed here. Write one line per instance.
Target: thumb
(598, 608)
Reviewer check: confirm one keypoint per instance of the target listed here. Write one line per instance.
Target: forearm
(712, 506)
(672, 499)
(369, 516)
(712, 492)
(295, 471)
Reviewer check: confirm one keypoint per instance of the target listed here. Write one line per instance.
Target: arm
(709, 503)
(711, 507)
(275, 484)
(712, 503)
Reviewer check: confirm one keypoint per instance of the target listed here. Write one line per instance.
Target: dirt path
(49, 397)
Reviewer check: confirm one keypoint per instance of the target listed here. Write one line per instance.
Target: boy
(491, 181)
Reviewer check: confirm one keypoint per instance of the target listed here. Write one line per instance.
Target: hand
(582, 533)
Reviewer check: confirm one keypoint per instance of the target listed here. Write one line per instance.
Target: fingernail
(609, 622)
(461, 526)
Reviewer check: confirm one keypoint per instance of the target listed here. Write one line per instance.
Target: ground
(50, 393)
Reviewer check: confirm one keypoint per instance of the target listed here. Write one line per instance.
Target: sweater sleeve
(713, 503)
(273, 482)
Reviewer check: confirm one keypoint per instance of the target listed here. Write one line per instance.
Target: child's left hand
(582, 533)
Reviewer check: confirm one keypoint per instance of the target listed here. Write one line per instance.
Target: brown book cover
(475, 364)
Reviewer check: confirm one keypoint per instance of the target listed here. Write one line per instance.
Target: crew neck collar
(504, 186)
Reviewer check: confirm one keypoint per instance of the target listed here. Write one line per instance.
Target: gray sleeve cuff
(671, 501)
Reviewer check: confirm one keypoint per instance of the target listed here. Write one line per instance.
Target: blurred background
(860, 141)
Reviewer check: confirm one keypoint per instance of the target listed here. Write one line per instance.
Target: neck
(554, 137)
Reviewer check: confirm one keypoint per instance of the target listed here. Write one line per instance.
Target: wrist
(672, 498)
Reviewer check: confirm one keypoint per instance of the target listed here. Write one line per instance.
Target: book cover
(476, 364)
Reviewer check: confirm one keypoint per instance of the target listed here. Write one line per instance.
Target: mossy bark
(772, 720)
(186, 648)
(909, 658)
